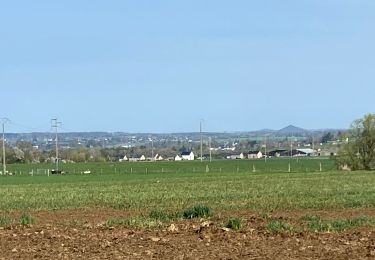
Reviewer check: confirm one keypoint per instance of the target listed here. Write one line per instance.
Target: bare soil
(75, 234)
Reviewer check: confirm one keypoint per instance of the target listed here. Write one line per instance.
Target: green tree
(327, 137)
(29, 153)
(359, 152)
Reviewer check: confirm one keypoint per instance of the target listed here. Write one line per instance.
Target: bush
(26, 219)
(198, 211)
(158, 215)
(278, 226)
(358, 154)
(4, 221)
(234, 223)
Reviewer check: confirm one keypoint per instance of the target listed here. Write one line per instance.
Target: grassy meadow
(220, 166)
(173, 186)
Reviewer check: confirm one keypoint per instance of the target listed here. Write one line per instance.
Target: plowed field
(77, 234)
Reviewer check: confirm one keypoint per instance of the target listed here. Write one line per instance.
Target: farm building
(305, 152)
(178, 158)
(255, 155)
(236, 156)
(278, 153)
(293, 152)
(327, 152)
(189, 156)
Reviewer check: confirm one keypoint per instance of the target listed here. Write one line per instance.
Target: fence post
(320, 167)
(253, 168)
(289, 167)
(146, 170)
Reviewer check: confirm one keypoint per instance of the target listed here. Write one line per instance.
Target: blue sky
(161, 66)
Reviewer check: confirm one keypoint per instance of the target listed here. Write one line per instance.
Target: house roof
(185, 153)
(307, 150)
(278, 151)
(254, 152)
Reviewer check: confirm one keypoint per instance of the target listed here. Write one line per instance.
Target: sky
(163, 66)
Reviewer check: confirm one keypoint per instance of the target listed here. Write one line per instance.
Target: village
(190, 156)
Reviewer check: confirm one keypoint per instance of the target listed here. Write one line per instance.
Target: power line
(27, 128)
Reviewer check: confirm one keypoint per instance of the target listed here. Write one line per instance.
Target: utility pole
(200, 130)
(3, 122)
(152, 149)
(210, 149)
(291, 148)
(265, 148)
(55, 124)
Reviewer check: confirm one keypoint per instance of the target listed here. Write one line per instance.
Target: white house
(178, 158)
(124, 159)
(189, 156)
(237, 156)
(255, 155)
(142, 158)
(158, 157)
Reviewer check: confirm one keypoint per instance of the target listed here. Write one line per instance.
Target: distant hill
(266, 130)
(291, 129)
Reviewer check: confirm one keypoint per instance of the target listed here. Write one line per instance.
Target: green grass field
(175, 186)
(220, 166)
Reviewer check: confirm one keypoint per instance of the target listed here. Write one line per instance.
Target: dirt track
(59, 235)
